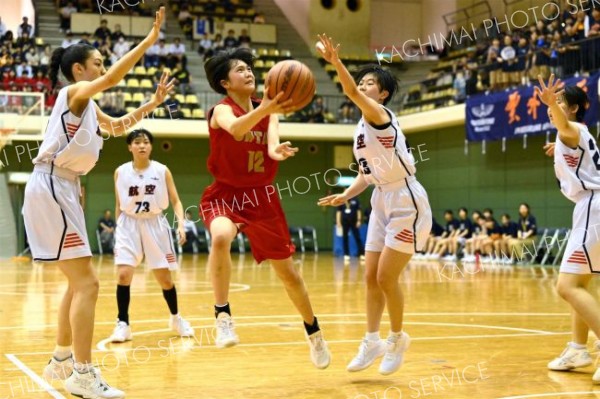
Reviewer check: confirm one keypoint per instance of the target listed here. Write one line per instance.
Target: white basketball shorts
(53, 215)
(400, 218)
(136, 238)
(582, 254)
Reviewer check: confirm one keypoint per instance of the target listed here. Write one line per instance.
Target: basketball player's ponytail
(57, 56)
(64, 58)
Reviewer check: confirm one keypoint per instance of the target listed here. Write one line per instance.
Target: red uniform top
(244, 162)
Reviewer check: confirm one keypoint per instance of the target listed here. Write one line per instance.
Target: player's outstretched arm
(568, 132)
(177, 206)
(84, 90)
(224, 118)
(118, 126)
(371, 110)
(278, 151)
(358, 186)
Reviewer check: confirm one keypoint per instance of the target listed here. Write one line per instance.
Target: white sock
(83, 368)
(373, 336)
(62, 352)
(577, 346)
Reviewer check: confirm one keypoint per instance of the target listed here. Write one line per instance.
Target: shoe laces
(317, 342)
(98, 381)
(225, 325)
(362, 349)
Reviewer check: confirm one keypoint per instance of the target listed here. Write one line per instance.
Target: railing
(466, 15)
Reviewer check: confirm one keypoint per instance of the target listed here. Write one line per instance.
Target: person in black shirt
(472, 243)
(349, 218)
(450, 231)
(509, 231)
(106, 228)
(494, 233)
(526, 233)
(434, 236)
(230, 41)
(460, 238)
(102, 32)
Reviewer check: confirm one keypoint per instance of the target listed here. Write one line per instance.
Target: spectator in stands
(102, 32)
(121, 47)
(592, 47)
(205, 46)
(259, 18)
(493, 234)
(24, 42)
(317, 110)
(348, 217)
(493, 66)
(106, 228)
(157, 74)
(183, 77)
(85, 38)
(526, 234)
(25, 27)
(176, 53)
(521, 61)
(24, 70)
(107, 55)
(8, 78)
(117, 34)
(218, 43)
(3, 28)
(119, 103)
(507, 61)
(45, 58)
(68, 40)
(173, 106)
(230, 41)
(41, 83)
(65, 17)
(540, 56)
(347, 112)
(554, 63)
(570, 53)
(244, 39)
(460, 87)
(509, 231)
(186, 21)
(161, 52)
(472, 244)
(459, 239)
(434, 236)
(33, 59)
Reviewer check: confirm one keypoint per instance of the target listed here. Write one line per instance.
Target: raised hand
(332, 200)
(328, 51)
(158, 21)
(275, 105)
(164, 86)
(549, 94)
(283, 151)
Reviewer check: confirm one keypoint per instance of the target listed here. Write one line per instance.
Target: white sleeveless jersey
(142, 194)
(71, 142)
(578, 170)
(382, 154)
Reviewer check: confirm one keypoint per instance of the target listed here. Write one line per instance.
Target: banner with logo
(514, 113)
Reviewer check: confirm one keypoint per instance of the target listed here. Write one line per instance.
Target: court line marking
(546, 395)
(295, 316)
(36, 378)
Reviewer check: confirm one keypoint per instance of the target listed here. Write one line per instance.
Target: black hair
(63, 60)
(488, 210)
(449, 212)
(477, 212)
(574, 95)
(217, 68)
(526, 205)
(506, 215)
(385, 79)
(463, 209)
(134, 134)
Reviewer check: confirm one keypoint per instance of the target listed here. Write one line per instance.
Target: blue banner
(514, 113)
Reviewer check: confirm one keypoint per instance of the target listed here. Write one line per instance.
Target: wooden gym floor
(476, 333)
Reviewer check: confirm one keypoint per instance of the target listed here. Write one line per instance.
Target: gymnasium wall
(499, 180)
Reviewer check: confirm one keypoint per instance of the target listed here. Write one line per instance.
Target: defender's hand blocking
(158, 21)
(549, 94)
(549, 149)
(332, 200)
(164, 86)
(275, 105)
(328, 51)
(283, 151)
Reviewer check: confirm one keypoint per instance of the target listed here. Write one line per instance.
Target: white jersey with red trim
(578, 169)
(71, 142)
(142, 193)
(382, 152)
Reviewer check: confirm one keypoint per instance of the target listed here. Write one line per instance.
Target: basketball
(293, 78)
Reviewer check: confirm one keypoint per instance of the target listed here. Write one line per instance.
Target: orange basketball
(294, 79)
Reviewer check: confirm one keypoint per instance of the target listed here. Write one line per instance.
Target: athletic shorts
(400, 218)
(53, 216)
(136, 238)
(258, 213)
(582, 254)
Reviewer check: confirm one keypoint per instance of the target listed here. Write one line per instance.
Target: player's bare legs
(61, 364)
(574, 289)
(391, 264)
(63, 334)
(222, 231)
(176, 322)
(296, 290)
(84, 286)
(375, 298)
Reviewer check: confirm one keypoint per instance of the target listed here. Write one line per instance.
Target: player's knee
(371, 279)
(291, 279)
(221, 241)
(88, 286)
(385, 281)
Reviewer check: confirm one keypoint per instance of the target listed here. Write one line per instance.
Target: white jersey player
(401, 218)
(143, 189)
(53, 216)
(577, 168)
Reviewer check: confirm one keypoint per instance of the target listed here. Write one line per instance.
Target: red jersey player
(244, 156)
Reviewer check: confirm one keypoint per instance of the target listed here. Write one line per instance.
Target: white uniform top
(142, 194)
(382, 152)
(578, 169)
(71, 142)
